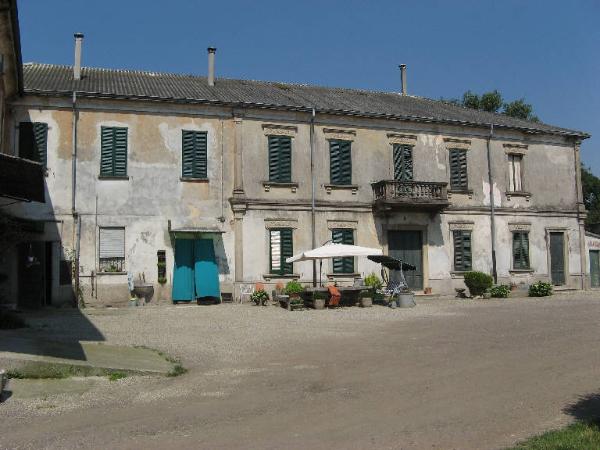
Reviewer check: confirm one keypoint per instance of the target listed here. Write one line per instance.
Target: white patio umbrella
(332, 250)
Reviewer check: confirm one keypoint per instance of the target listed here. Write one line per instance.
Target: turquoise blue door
(206, 272)
(183, 273)
(196, 273)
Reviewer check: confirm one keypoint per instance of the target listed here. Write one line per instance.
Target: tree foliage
(590, 185)
(492, 101)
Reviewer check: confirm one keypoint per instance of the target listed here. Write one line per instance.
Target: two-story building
(200, 184)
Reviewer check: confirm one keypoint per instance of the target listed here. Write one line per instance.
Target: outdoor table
(350, 294)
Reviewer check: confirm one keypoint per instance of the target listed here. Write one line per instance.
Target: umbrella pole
(320, 272)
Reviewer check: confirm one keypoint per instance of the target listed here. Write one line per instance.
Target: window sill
(341, 187)
(343, 275)
(108, 177)
(276, 184)
(516, 271)
(110, 273)
(458, 273)
(468, 192)
(510, 194)
(193, 180)
(268, 276)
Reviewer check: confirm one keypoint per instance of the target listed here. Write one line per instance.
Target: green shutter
(280, 159)
(340, 166)
(343, 236)
(194, 155)
(403, 163)
(33, 141)
(287, 251)
(521, 250)
(113, 151)
(462, 250)
(458, 169)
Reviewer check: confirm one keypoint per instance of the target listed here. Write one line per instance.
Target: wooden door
(407, 246)
(557, 258)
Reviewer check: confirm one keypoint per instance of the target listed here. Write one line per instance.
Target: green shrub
(10, 321)
(372, 281)
(478, 282)
(500, 291)
(260, 297)
(293, 287)
(540, 289)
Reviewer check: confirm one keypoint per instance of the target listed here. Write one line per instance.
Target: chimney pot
(211, 66)
(403, 78)
(77, 63)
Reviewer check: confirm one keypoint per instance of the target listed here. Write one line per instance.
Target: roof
(49, 79)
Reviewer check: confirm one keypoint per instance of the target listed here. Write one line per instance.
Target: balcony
(390, 195)
(21, 179)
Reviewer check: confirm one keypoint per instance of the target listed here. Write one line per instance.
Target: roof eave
(567, 133)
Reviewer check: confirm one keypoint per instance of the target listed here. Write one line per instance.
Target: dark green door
(557, 258)
(595, 268)
(408, 247)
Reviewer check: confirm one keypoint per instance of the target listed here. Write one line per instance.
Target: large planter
(366, 302)
(406, 300)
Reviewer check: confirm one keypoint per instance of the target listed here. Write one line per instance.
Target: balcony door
(407, 246)
(403, 162)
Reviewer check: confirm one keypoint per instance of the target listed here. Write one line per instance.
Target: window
(343, 236)
(520, 250)
(161, 264)
(459, 180)
(33, 141)
(112, 249)
(281, 248)
(113, 152)
(403, 162)
(280, 159)
(194, 154)
(515, 173)
(340, 165)
(462, 250)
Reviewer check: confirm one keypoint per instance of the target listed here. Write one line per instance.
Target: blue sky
(545, 51)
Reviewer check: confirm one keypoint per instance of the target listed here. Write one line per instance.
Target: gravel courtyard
(446, 374)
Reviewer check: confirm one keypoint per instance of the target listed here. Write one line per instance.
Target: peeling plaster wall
(154, 194)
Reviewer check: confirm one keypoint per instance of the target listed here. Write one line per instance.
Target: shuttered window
(280, 159)
(194, 156)
(280, 248)
(521, 250)
(403, 162)
(343, 236)
(33, 141)
(340, 164)
(462, 250)
(113, 154)
(458, 169)
(112, 249)
(515, 173)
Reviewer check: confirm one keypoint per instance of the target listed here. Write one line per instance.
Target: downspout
(312, 203)
(492, 205)
(76, 218)
(580, 204)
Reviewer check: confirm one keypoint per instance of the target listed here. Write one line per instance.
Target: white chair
(246, 290)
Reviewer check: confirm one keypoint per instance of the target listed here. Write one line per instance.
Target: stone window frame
(273, 129)
(274, 224)
(520, 150)
(460, 226)
(513, 228)
(341, 134)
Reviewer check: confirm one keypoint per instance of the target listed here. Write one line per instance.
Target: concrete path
(451, 375)
(17, 350)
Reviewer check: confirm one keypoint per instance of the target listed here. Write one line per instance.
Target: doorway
(407, 245)
(557, 258)
(34, 274)
(196, 273)
(595, 268)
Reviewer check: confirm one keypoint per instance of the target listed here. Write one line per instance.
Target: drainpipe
(312, 204)
(492, 205)
(76, 218)
(580, 216)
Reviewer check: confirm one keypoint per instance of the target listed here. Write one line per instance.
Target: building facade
(198, 188)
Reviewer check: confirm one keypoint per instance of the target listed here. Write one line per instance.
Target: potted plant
(374, 284)
(540, 289)
(294, 290)
(133, 301)
(478, 282)
(260, 297)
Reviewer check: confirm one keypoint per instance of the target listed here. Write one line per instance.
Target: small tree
(520, 110)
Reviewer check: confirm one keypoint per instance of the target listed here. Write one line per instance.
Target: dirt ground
(446, 374)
